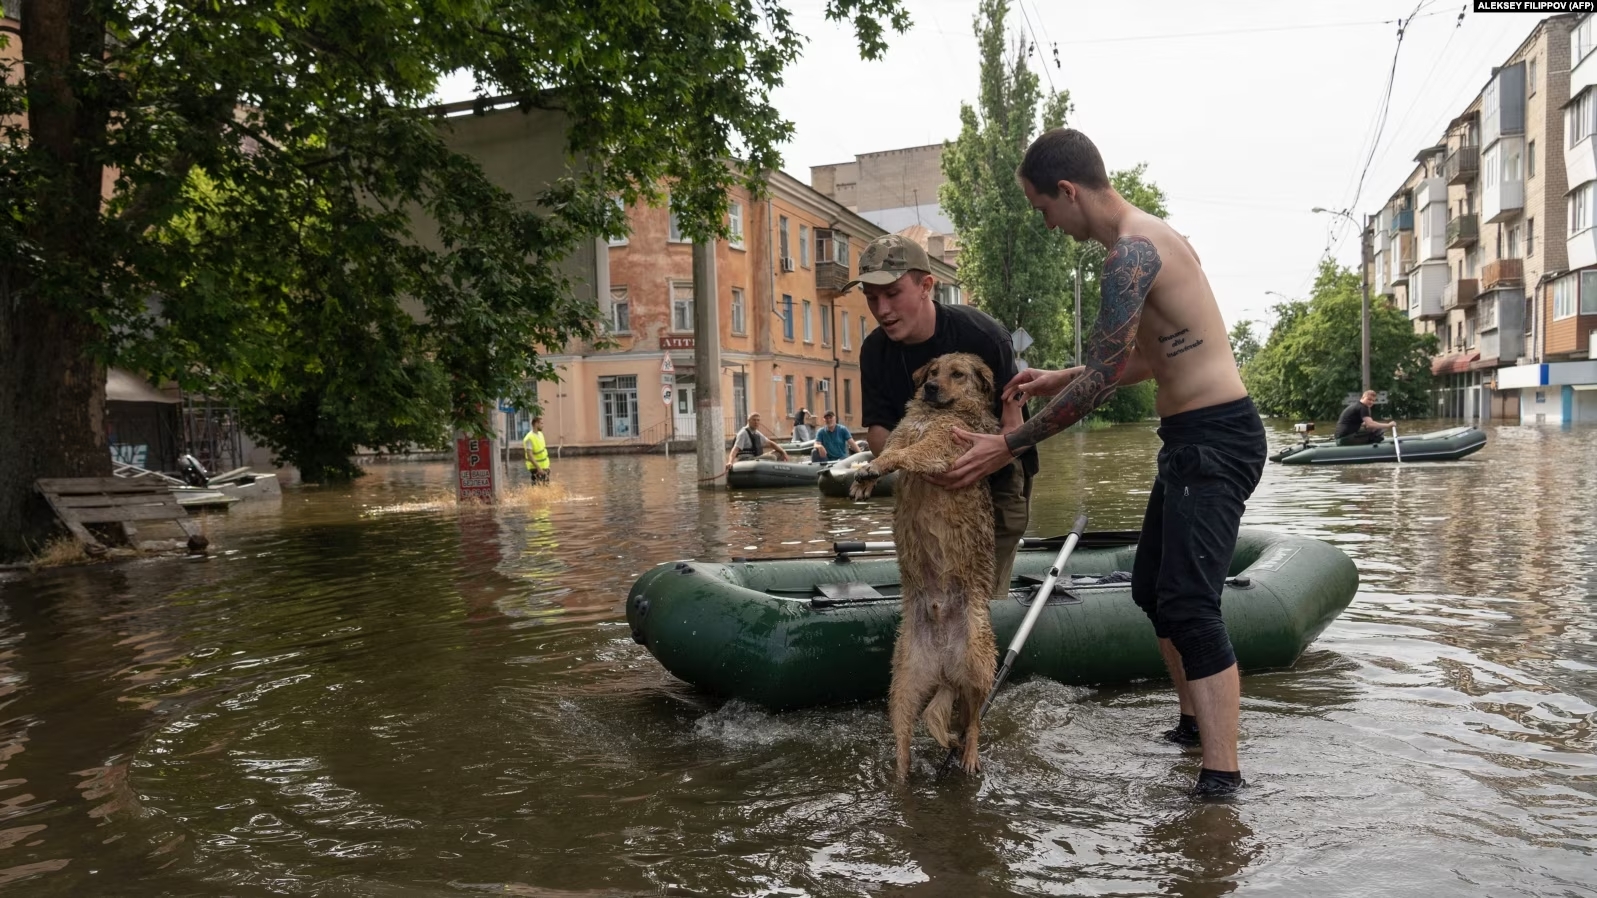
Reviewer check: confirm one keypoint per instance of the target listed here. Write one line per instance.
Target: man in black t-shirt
(895, 273)
(1356, 426)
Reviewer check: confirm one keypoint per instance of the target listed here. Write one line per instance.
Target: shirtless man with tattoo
(1157, 319)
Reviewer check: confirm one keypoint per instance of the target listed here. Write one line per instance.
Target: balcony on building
(1462, 231)
(1425, 284)
(1582, 247)
(1503, 273)
(1460, 294)
(1382, 283)
(1499, 325)
(1463, 165)
(1502, 179)
(1402, 257)
(1402, 220)
(831, 265)
(1430, 220)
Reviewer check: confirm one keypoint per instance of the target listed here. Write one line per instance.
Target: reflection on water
(369, 691)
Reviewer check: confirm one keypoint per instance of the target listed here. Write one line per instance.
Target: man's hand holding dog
(990, 452)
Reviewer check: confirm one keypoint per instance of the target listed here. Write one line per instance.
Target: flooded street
(367, 691)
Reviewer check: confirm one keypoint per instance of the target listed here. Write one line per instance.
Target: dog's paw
(970, 760)
(864, 482)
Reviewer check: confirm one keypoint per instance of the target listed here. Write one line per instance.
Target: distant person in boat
(1357, 426)
(833, 441)
(536, 452)
(803, 426)
(895, 273)
(750, 444)
(1157, 318)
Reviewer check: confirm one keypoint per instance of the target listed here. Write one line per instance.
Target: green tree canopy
(1016, 268)
(1244, 343)
(1311, 360)
(224, 193)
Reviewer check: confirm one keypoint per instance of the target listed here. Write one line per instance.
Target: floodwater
(368, 692)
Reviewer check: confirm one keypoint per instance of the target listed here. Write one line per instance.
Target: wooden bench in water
(118, 500)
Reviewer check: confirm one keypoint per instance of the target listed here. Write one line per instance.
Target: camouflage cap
(887, 258)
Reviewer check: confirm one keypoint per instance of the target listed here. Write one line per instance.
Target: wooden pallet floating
(78, 501)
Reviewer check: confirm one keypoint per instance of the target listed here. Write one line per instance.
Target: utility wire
(1386, 105)
(1034, 42)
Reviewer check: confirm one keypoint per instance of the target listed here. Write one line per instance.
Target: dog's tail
(937, 713)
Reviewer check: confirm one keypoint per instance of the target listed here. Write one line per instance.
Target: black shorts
(1210, 463)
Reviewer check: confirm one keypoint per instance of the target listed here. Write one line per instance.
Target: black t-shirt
(1352, 420)
(887, 368)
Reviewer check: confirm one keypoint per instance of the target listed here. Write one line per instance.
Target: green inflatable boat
(797, 632)
(839, 476)
(1439, 445)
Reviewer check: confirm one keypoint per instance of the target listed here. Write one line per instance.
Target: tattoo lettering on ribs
(1129, 273)
(1178, 342)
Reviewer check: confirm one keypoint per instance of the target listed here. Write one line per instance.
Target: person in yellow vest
(536, 452)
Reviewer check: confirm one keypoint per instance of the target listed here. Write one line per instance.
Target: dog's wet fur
(945, 658)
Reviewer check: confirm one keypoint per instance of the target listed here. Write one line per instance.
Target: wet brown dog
(945, 650)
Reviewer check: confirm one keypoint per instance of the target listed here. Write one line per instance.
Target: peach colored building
(789, 338)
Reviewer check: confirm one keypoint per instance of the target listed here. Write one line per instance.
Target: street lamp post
(1364, 277)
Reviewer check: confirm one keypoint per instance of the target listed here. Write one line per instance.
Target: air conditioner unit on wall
(823, 386)
(787, 263)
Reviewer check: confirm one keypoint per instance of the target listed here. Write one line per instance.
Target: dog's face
(955, 378)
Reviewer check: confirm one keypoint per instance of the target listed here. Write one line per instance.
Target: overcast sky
(1248, 112)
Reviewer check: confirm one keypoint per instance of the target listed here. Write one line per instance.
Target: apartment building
(1558, 378)
(1473, 245)
(790, 338)
(896, 190)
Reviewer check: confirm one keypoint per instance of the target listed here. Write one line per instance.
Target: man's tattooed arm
(1128, 275)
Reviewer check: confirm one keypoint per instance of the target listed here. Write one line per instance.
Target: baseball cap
(887, 258)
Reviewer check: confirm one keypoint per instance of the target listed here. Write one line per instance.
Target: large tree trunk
(52, 391)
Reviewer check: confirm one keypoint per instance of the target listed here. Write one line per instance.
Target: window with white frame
(787, 389)
(734, 224)
(1564, 299)
(682, 306)
(1588, 293)
(1530, 77)
(787, 317)
(1578, 117)
(808, 334)
(1511, 162)
(622, 206)
(804, 246)
(781, 236)
(1513, 243)
(842, 323)
(1530, 159)
(840, 248)
(1491, 165)
(1580, 41)
(1469, 332)
(620, 311)
(862, 331)
(826, 325)
(1486, 313)
(618, 405)
(739, 314)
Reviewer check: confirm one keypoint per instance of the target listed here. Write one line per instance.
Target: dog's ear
(984, 378)
(919, 377)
